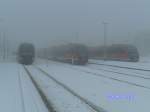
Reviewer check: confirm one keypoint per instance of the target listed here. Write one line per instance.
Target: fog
(49, 22)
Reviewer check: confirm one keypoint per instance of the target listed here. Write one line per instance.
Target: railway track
(44, 98)
(112, 78)
(116, 66)
(91, 105)
(109, 77)
(138, 75)
(21, 93)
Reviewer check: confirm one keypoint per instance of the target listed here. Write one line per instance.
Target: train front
(26, 54)
(80, 55)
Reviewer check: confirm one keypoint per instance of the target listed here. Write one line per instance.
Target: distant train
(26, 53)
(120, 52)
(71, 53)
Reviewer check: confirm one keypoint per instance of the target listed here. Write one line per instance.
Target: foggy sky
(46, 22)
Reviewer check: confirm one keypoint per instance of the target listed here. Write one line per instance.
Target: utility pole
(105, 39)
(1, 45)
(1, 41)
(46, 57)
(7, 48)
(4, 46)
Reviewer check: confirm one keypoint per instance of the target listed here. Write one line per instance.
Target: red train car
(70, 53)
(121, 52)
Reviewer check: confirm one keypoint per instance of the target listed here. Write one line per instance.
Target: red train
(121, 52)
(70, 53)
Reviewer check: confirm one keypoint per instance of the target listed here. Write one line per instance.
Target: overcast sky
(46, 22)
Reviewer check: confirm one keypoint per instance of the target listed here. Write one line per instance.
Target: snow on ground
(144, 63)
(137, 80)
(111, 95)
(116, 73)
(32, 99)
(11, 99)
(62, 100)
(121, 70)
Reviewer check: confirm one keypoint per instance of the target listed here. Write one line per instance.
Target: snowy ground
(121, 70)
(144, 63)
(129, 93)
(17, 92)
(61, 99)
(112, 95)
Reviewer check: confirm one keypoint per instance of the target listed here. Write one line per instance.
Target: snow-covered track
(90, 72)
(21, 93)
(47, 103)
(91, 105)
(116, 66)
(122, 73)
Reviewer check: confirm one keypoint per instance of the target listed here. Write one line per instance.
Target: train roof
(26, 47)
